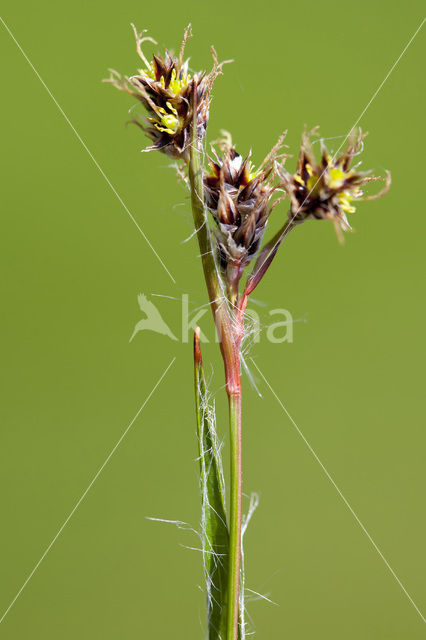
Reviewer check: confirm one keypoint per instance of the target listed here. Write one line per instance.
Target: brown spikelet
(239, 200)
(166, 89)
(327, 190)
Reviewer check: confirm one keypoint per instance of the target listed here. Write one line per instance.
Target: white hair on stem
(254, 502)
(206, 458)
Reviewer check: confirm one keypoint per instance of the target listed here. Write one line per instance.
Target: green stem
(234, 567)
(230, 347)
(201, 223)
(215, 290)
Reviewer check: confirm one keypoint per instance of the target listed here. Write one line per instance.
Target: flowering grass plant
(232, 202)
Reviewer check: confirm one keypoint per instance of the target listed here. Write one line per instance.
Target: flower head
(239, 199)
(329, 189)
(168, 91)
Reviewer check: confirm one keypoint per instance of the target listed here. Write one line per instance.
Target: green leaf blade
(214, 529)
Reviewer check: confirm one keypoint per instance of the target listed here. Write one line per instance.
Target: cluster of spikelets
(169, 94)
(327, 190)
(240, 201)
(239, 197)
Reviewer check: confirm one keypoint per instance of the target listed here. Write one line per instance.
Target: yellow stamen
(175, 85)
(167, 121)
(313, 183)
(344, 202)
(335, 177)
(149, 72)
(309, 170)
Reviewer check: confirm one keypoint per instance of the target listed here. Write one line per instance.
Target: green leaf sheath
(214, 530)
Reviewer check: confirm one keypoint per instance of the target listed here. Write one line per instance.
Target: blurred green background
(72, 266)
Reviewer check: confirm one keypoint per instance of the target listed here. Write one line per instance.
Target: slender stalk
(230, 340)
(266, 256)
(201, 223)
(215, 290)
(234, 567)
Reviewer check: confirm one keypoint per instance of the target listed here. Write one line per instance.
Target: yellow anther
(335, 177)
(309, 170)
(167, 121)
(313, 184)
(171, 108)
(176, 85)
(344, 202)
(149, 72)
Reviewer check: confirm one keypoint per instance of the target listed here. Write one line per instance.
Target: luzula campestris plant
(240, 200)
